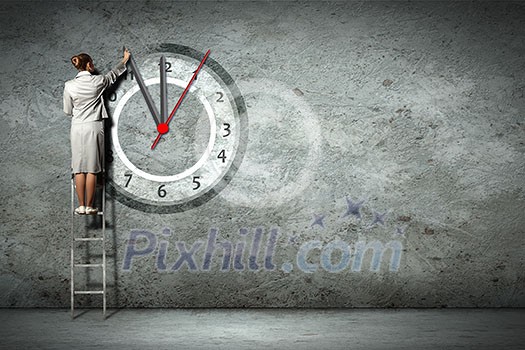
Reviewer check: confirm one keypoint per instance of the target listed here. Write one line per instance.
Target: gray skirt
(87, 147)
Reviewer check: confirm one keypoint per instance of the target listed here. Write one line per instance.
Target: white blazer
(83, 100)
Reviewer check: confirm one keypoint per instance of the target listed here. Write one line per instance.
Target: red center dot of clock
(162, 128)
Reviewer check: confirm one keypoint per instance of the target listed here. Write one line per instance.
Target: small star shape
(378, 219)
(400, 231)
(318, 220)
(353, 208)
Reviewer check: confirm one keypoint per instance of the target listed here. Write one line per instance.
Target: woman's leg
(91, 185)
(80, 182)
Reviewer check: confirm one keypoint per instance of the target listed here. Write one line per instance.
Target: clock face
(205, 143)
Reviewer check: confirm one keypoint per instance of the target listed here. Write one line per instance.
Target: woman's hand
(126, 56)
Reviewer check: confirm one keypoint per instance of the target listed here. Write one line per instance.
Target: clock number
(129, 176)
(130, 72)
(113, 96)
(222, 155)
(221, 95)
(227, 129)
(168, 66)
(196, 182)
(161, 192)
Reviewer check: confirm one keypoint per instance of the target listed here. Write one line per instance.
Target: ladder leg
(104, 244)
(72, 243)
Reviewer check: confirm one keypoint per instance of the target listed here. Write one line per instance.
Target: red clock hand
(163, 128)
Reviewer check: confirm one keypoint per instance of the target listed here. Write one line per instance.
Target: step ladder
(75, 266)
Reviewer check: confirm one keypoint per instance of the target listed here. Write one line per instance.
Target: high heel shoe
(80, 210)
(91, 211)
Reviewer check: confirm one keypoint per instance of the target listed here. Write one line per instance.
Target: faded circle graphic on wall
(283, 149)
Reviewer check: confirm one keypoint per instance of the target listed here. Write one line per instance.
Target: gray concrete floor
(263, 329)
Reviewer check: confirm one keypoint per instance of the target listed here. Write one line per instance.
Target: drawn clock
(181, 154)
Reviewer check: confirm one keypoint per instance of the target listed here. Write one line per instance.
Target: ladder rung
(98, 213)
(89, 239)
(89, 292)
(89, 265)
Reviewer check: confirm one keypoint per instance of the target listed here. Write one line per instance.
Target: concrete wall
(384, 165)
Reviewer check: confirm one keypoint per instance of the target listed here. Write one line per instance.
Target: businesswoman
(83, 102)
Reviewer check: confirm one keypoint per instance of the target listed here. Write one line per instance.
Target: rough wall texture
(384, 166)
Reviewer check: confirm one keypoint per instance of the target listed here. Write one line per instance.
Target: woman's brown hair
(81, 61)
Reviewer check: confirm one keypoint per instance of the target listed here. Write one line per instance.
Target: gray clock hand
(144, 90)
(163, 90)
